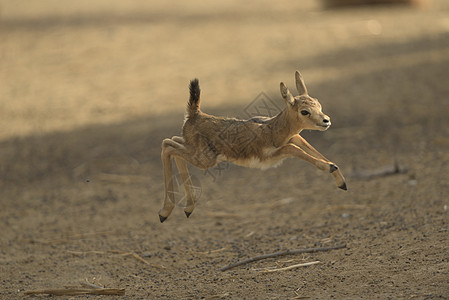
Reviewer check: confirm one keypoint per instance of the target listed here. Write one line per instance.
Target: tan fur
(260, 142)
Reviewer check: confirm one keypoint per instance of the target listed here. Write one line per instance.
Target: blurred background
(88, 90)
(68, 64)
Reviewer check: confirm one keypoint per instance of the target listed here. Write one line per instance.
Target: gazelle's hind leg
(182, 153)
(187, 182)
(169, 199)
(186, 179)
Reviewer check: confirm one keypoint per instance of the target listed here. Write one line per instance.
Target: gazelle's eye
(304, 112)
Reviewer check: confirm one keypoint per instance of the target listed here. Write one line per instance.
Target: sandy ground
(87, 93)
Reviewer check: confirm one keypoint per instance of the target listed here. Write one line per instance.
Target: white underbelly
(256, 163)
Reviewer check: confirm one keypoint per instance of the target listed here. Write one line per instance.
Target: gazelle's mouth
(324, 127)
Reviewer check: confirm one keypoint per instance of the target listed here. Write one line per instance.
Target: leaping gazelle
(260, 142)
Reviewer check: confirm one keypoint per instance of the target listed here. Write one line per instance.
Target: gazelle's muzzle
(325, 123)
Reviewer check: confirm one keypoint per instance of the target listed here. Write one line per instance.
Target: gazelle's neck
(283, 127)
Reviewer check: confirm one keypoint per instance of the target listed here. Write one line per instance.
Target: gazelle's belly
(256, 163)
(266, 162)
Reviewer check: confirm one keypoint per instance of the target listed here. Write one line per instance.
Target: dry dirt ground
(88, 92)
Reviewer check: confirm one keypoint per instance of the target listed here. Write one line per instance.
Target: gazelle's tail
(193, 107)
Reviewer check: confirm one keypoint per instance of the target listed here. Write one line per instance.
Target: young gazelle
(260, 142)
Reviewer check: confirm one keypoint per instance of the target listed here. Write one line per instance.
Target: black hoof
(343, 186)
(162, 219)
(188, 214)
(333, 168)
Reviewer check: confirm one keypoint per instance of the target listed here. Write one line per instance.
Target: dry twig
(281, 253)
(382, 171)
(291, 267)
(218, 296)
(210, 251)
(90, 285)
(77, 292)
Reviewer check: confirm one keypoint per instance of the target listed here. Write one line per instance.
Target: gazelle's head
(305, 110)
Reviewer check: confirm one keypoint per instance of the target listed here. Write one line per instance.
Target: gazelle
(260, 142)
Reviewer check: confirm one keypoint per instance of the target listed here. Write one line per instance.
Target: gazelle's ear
(285, 92)
(300, 85)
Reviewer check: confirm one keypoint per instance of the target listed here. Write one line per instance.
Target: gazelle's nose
(327, 121)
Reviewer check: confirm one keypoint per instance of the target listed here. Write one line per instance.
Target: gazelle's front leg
(303, 144)
(292, 150)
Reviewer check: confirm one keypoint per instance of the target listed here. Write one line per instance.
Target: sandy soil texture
(88, 92)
